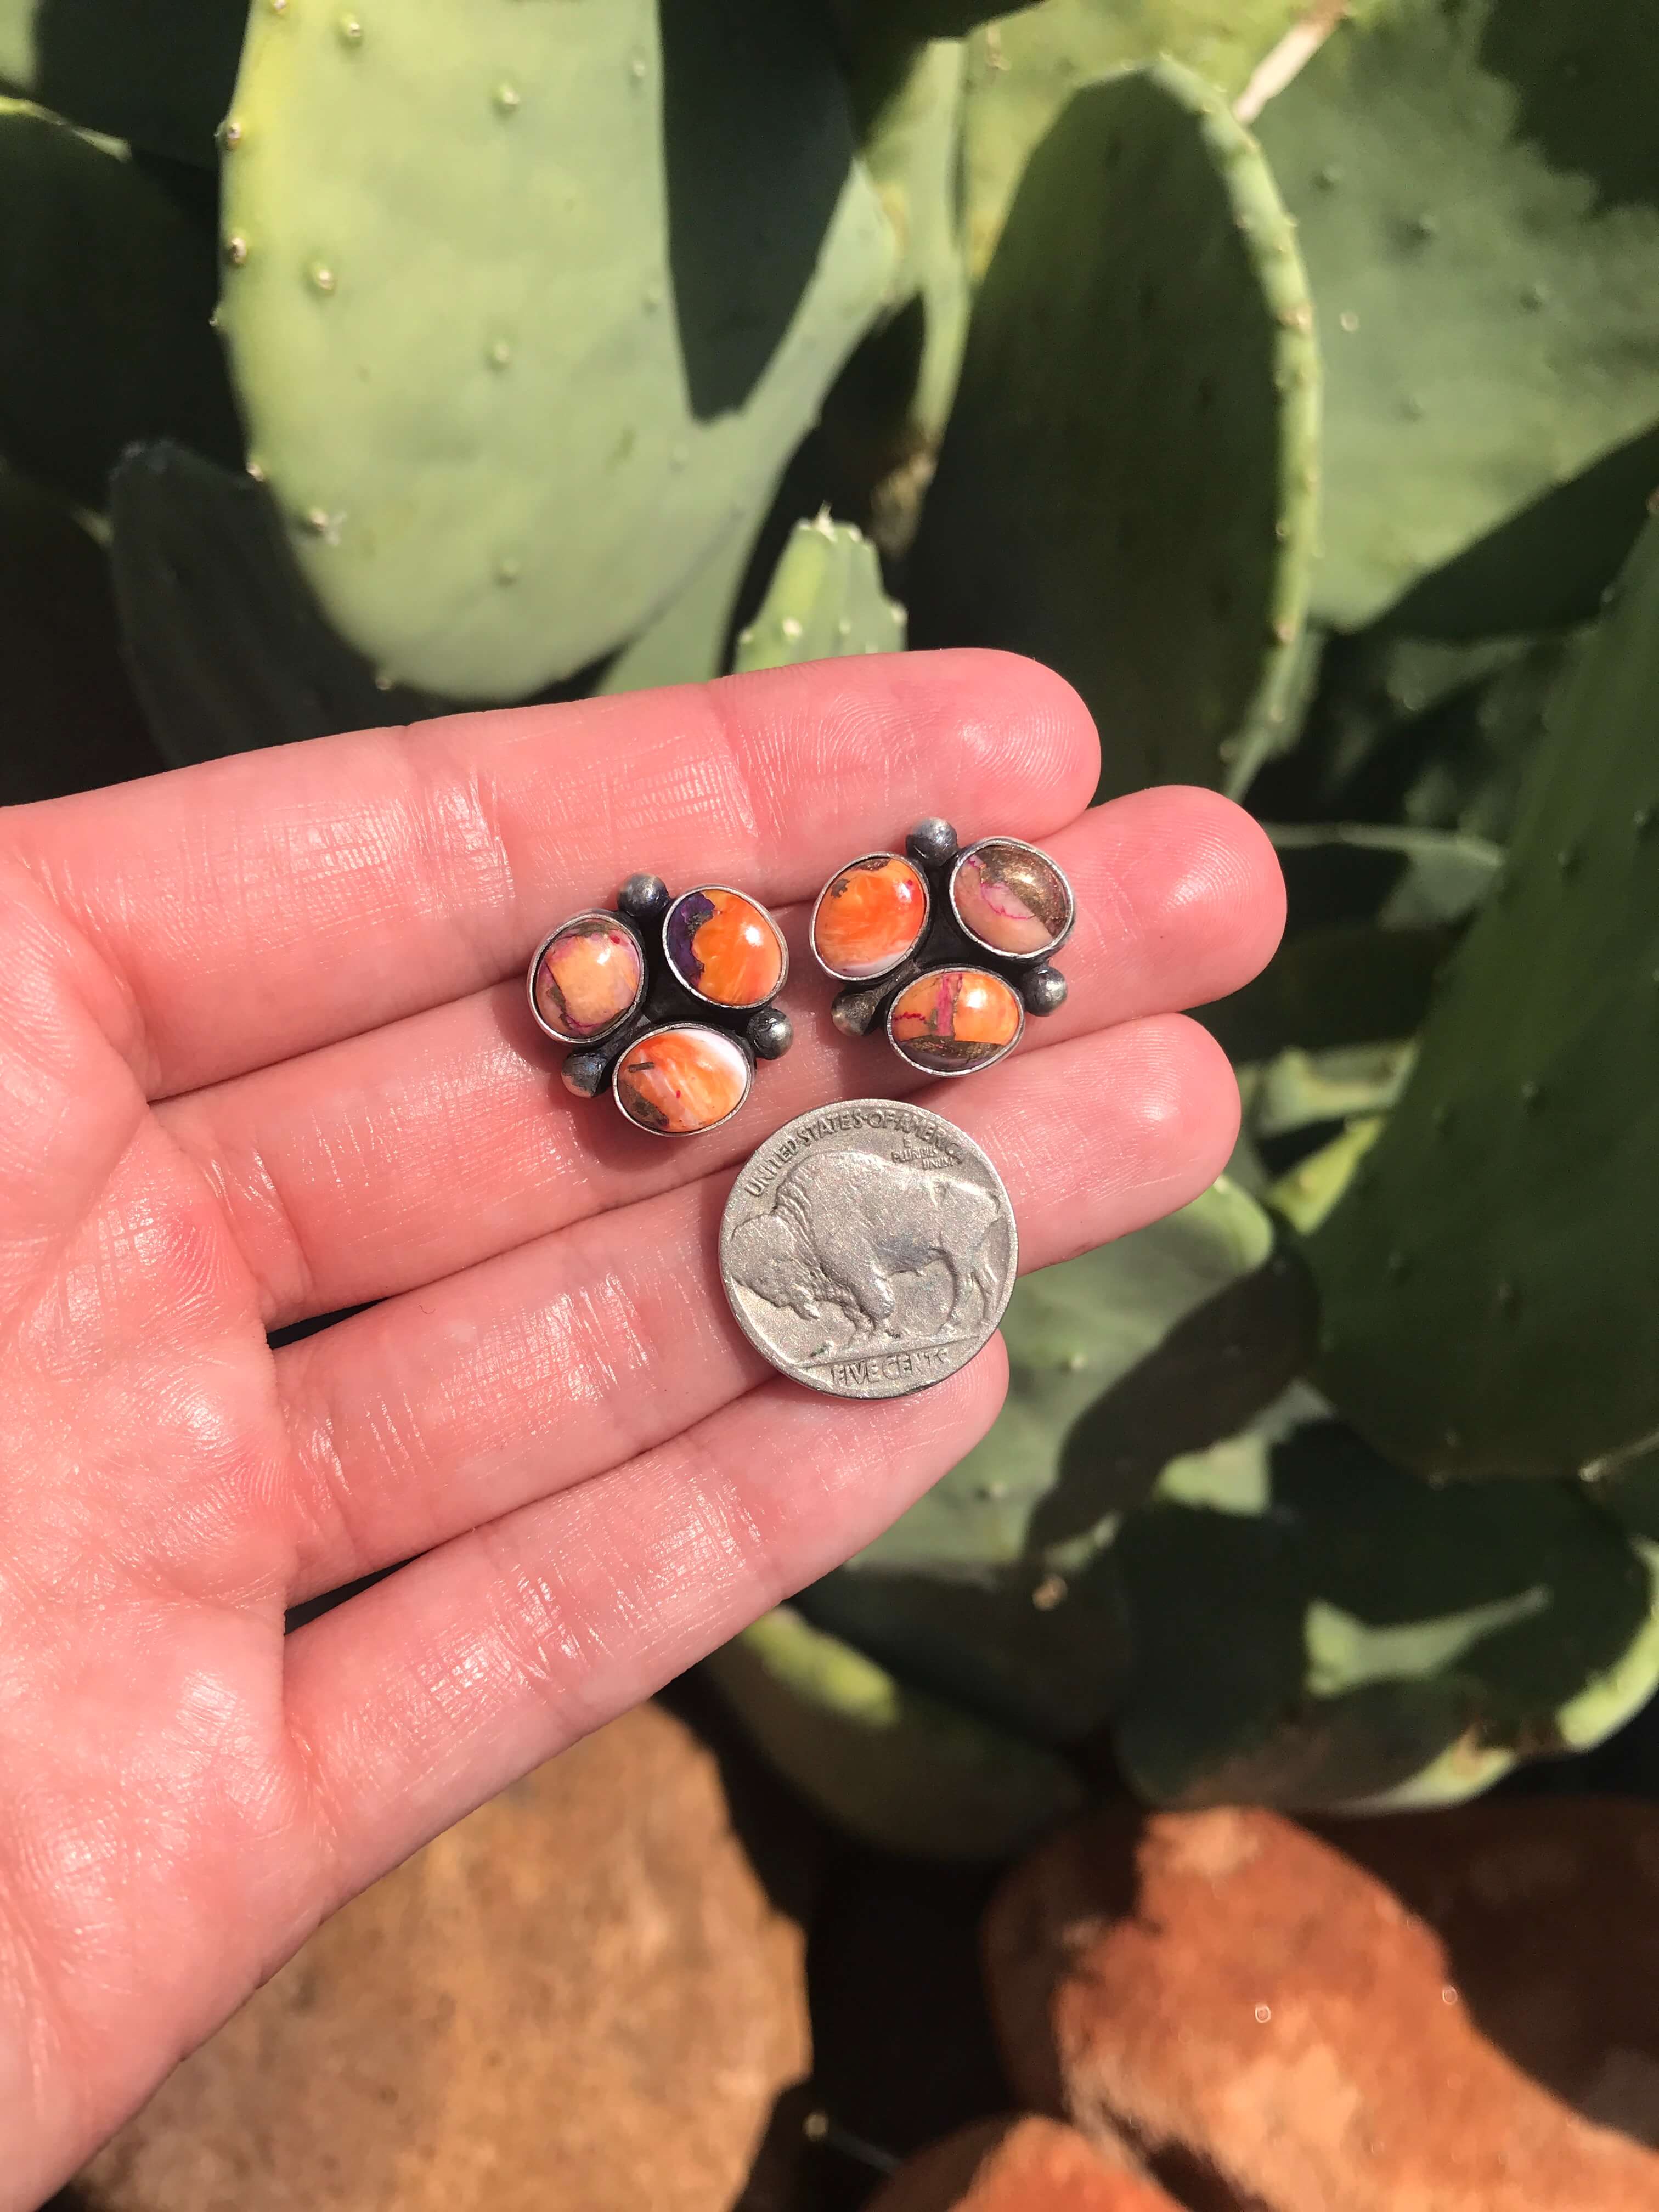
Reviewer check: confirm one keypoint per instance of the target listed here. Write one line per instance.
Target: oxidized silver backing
(868, 1248)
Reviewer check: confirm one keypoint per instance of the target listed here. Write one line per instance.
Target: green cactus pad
(1628, 1488)
(1482, 745)
(883, 420)
(71, 720)
(1076, 1335)
(1490, 1283)
(1300, 1090)
(897, 1768)
(528, 308)
(1127, 487)
(1545, 568)
(689, 640)
(1417, 731)
(157, 73)
(1375, 912)
(1344, 983)
(226, 647)
(1299, 1107)
(1023, 73)
(1274, 726)
(106, 289)
(913, 21)
(1477, 188)
(827, 600)
(1403, 878)
(998, 1588)
(1370, 725)
(913, 150)
(1314, 1628)
(1307, 1192)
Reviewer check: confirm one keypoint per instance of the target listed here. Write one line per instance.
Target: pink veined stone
(953, 1021)
(1010, 899)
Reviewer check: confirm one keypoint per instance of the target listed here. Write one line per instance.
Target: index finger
(257, 907)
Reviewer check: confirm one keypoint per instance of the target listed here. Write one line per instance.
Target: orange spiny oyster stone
(679, 1082)
(1011, 897)
(869, 917)
(589, 974)
(954, 1020)
(725, 947)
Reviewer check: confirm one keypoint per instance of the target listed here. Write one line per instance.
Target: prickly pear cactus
(997, 1589)
(827, 600)
(1627, 1486)
(227, 649)
(1472, 772)
(1075, 1333)
(884, 419)
(1023, 70)
(689, 641)
(899, 1768)
(1432, 734)
(71, 720)
(1477, 188)
(915, 20)
(157, 73)
(526, 315)
(1313, 1628)
(106, 289)
(1374, 913)
(1302, 1092)
(1410, 879)
(1490, 1283)
(1127, 487)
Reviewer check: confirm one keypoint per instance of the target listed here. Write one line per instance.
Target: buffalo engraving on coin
(868, 1250)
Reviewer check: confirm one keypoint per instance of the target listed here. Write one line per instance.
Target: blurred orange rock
(1023, 2165)
(1249, 2005)
(1549, 1911)
(580, 1998)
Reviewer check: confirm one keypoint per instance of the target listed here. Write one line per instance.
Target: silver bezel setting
(725, 1005)
(841, 974)
(955, 968)
(594, 1037)
(1000, 952)
(670, 1028)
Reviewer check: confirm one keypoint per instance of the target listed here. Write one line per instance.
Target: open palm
(266, 1056)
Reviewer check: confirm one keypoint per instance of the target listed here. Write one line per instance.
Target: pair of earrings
(670, 999)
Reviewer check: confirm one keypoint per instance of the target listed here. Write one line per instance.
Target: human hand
(267, 1056)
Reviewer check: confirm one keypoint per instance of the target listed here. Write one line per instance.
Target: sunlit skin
(268, 1054)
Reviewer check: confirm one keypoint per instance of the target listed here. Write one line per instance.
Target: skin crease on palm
(266, 1055)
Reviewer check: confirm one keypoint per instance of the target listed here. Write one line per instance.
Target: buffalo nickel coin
(868, 1248)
